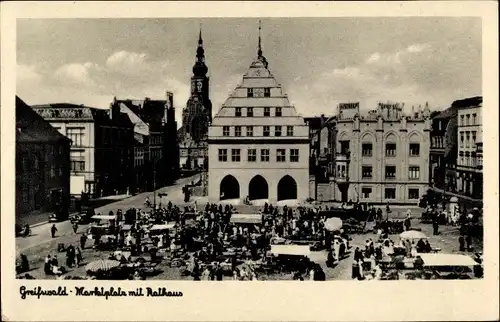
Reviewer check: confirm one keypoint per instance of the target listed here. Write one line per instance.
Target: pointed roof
(199, 68)
(259, 88)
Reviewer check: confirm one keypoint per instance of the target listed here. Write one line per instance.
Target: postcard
(249, 161)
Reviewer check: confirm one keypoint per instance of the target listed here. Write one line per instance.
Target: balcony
(342, 157)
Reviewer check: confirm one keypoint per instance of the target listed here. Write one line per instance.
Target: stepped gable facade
(258, 145)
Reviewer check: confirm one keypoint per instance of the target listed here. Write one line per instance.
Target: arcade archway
(287, 188)
(258, 188)
(229, 188)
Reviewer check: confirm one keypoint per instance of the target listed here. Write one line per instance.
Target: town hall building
(258, 145)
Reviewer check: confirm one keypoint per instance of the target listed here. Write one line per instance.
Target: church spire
(199, 68)
(200, 40)
(259, 51)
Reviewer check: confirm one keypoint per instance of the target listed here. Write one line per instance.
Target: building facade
(156, 150)
(102, 146)
(443, 151)
(469, 170)
(382, 156)
(42, 163)
(258, 146)
(322, 157)
(197, 116)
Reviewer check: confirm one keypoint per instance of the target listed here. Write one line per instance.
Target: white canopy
(162, 227)
(103, 217)
(297, 250)
(447, 260)
(246, 218)
(412, 234)
(333, 223)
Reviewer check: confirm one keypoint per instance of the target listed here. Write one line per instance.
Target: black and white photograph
(259, 149)
(214, 149)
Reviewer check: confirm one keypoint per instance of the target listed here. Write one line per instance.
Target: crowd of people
(207, 244)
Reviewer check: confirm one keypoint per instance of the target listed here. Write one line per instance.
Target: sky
(319, 61)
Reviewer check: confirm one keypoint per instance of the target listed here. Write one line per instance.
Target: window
(277, 130)
(278, 111)
(390, 193)
(52, 171)
(413, 193)
(281, 155)
(76, 135)
(237, 130)
(235, 155)
(267, 92)
(461, 139)
(467, 119)
(366, 171)
(366, 192)
(461, 120)
(252, 155)
(390, 171)
(77, 160)
(238, 111)
(222, 155)
(367, 149)
(414, 172)
(267, 111)
(344, 147)
(467, 139)
(390, 149)
(249, 92)
(473, 139)
(474, 119)
(267, 131)
(415, 149)
(249, 130)
(289, 130)
(264, 155)
(294, 155)
(249, 111)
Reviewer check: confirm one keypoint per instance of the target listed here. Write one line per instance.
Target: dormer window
(267, 92)
(249, 92)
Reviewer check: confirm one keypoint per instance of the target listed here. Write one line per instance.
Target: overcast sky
(320, 62)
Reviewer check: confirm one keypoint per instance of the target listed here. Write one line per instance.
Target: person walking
(461, 243)
(83, 240)
(75, 227)
(79, 256)
(468, 241)
(53, 230)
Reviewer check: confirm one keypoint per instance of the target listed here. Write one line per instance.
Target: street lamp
(154, 183)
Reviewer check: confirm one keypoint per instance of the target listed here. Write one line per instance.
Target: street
(40, 234)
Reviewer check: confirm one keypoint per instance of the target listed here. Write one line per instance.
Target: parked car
(84, 217)
(61, 214)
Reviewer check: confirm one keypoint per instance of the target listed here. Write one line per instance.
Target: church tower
(197, 115)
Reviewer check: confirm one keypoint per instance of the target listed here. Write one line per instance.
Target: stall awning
(246, 219)
(447, 260)
(333, 224)
(295, 250)
(103, 217)
(162, 227)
